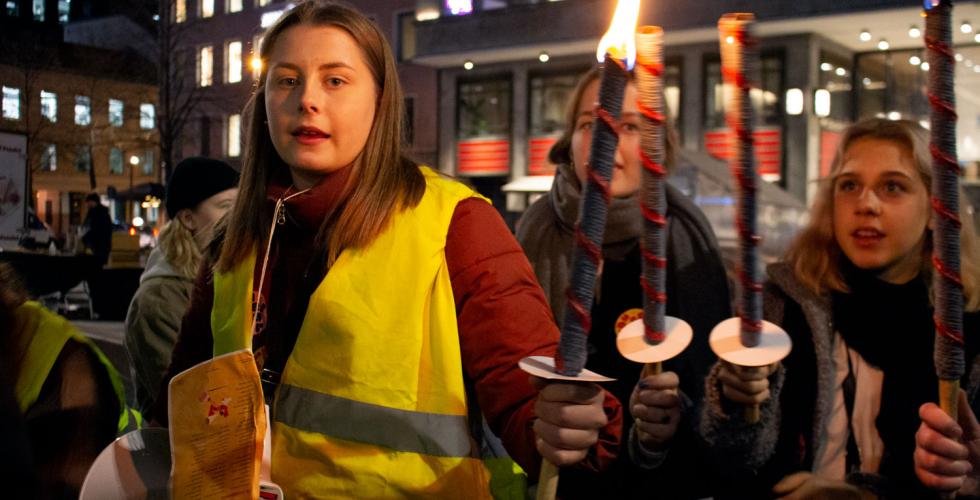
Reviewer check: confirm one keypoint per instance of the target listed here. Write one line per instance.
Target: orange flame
(619, 39)
(132, 231)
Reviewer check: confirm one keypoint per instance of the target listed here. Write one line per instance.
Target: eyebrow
(887, 173)
(324, 66)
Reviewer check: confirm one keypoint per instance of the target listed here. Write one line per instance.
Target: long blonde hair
(180, 248)
(382, 180)
(815, 255)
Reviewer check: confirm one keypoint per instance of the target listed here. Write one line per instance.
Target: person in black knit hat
(200, 191)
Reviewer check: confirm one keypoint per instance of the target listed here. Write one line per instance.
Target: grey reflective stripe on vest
(400, 430)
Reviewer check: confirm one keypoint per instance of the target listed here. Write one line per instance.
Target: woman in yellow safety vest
(68, 394)
(386, 305)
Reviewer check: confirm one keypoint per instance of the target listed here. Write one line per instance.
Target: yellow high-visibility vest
(372, 402)
(42, 335)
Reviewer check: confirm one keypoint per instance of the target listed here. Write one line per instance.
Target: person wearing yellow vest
(69, 394)
(386, 305)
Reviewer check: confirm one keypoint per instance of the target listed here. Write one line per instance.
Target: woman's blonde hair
(180, 248)
(561, 150)
(815, 255)
(382, 180)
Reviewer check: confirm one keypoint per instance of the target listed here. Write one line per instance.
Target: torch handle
(752, 413)
(650, 369)
(547, 481)
(949, 396)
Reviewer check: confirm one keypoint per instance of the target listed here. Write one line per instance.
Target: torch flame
(618, 40)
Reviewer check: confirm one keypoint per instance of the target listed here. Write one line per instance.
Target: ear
(187, 219)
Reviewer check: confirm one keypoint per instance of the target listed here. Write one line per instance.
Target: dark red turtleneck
(501, 312)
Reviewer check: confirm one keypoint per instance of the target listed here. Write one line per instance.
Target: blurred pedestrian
(200, 192)
(97, 229)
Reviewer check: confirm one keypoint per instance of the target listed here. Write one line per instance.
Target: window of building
(406, 35)
(766, 100)
(49, 158)
(49, 106)
(890, 85)
(12, 8)
(115, 161)
(234, 135)
(180, 11)
(205, 66)
(672, 92)
(38, 9)
(83, 158)
(11, 103)
(458, 7)
(115, 113)
(549, 97)
(83, 110)
(483, 134)
(262, 3)
(148, 116)
(64, 6)
(207, 8)
(233, 62)
(234, 5)
(149, 162)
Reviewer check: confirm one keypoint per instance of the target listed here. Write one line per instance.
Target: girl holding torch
(386, 305)
(854, 292)
(696, 285)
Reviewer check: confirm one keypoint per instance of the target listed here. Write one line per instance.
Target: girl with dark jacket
(840, 413)
(661, 443)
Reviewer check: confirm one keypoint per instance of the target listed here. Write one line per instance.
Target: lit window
(63, 7)
(262, 3)
(234, 5)
(180, 11)
(49, 158)
(38, 10)
(148, 162)
(49, 105)
(233, 61)
(115, 112)
(205, 66)
(83, 110)
(12, 10)
(83, 159)
(459, 7)
(115, 161)
(11, 103)
(148, 116)
(234, 135)
(207, 8)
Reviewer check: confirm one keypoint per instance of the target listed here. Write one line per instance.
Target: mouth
(866, 236)
(309, 135)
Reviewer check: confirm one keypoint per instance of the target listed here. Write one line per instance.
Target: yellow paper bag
(217, 427)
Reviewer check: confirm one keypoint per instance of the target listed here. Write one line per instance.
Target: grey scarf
(546, 231)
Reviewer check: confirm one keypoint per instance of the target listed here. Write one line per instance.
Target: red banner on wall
(483, 156)
(538, 148)
(828, 148)
(768, 149)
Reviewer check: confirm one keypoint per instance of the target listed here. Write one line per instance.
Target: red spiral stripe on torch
(947, 283)
(653, 205)
(739, 69)
(593, 210)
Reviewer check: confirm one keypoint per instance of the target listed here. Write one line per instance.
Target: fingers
(934, 417)
(936, 443)
(666, 381)
(940, 482)
(559, 456)
(939, 465)
(568, 392)
(746, 385)
(569, 418)
(790, 483)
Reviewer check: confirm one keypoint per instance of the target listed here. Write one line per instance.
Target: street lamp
(133, 161)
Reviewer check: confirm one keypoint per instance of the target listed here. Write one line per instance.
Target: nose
(868, 202)
(308, 98)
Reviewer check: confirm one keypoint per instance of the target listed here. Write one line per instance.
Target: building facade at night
(86, 114)
(507, 67)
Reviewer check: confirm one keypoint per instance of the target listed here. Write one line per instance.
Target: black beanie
(195, 180)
